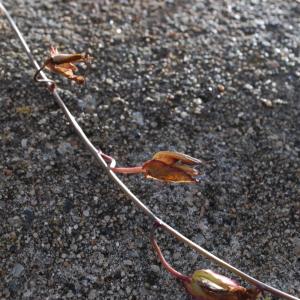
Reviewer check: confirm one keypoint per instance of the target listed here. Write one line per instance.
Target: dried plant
(63, 64)
(206, 284)
(167, 166)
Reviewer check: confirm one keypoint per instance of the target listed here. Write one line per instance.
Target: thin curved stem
(128, 170)
(121, 170)
(162, 259)
(97, 155)
(37, 73)
(108, 159)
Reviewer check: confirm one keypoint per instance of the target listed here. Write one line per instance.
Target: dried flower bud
(172, 167)
(208, 285)
(165, 166)
(63, 64)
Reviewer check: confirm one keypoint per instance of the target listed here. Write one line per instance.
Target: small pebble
(267, 102)
(155, 268)
(128, 262)
(86, 213)
(221, 88)
(17, 270)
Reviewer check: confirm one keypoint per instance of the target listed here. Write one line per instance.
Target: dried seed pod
(63, 64)
(172, 167)
(208, 285)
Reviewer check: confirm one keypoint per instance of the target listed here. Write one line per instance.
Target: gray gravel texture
(214, 79)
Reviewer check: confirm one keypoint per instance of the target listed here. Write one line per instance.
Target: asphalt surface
(217, 80)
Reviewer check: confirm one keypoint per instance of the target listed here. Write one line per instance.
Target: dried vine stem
(96, 153)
